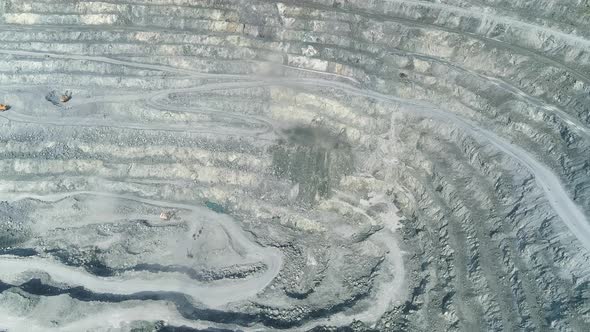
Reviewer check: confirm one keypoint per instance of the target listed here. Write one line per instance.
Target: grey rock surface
(312, 165)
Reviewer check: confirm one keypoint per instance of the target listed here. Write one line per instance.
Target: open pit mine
(295, 165)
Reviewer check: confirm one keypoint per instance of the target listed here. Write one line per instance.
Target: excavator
(166, 215)
(65, 97)
(58, 99)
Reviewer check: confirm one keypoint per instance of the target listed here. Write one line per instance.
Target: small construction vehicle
(58, 99)
(166, 215)
(4, 107)
(67, 96)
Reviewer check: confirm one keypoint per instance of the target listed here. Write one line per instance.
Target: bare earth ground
(297, 165)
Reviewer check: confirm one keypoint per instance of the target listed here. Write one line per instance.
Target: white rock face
(296, 165)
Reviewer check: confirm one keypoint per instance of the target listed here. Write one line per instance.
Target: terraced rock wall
(319, 164)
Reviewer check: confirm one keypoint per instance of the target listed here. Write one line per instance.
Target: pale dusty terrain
(319, 165)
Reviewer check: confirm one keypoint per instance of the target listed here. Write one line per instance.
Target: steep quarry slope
(301, 165)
